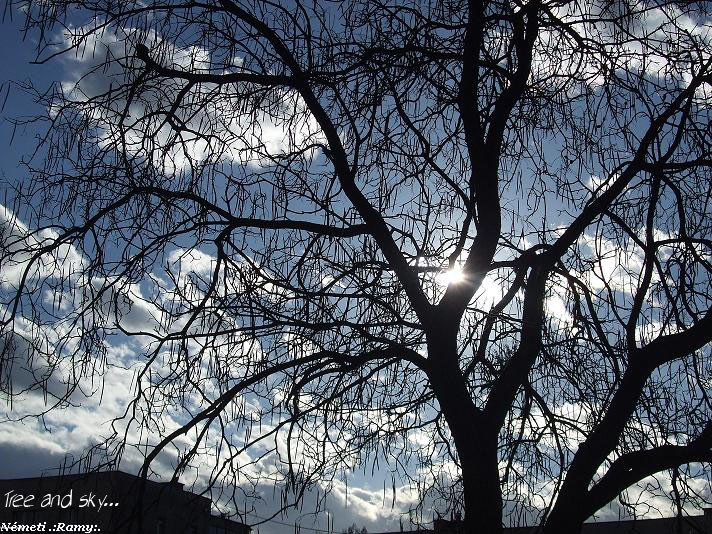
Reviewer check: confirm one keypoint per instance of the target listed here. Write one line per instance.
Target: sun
(451, 276)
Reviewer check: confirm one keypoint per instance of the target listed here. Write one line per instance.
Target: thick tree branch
(269, 80)
(603, 439)
(485, 153)
(635, 466)
(600, 204)
(347, 176)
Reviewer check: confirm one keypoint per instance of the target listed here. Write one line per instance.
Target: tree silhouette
(467, 240)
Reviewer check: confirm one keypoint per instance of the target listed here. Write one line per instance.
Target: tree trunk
(482, 491)
(475, 441)
(564, 519)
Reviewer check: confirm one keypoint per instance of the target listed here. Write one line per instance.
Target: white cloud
(655, 34)
(556, 309)
(20, 245)
(216, 125)
(611, 264)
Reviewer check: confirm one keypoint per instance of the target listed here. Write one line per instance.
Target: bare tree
(470, 240)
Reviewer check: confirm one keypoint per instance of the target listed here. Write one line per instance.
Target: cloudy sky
(31, 446)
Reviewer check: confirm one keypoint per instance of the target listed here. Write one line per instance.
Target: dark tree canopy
(469, 241)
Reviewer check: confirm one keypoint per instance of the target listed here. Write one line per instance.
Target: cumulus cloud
(211, 124)
(658, 32)
(85, 417)
(615, 266)
(20, 245)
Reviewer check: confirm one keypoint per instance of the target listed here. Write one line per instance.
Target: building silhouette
(699, 524)
(109, 502)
